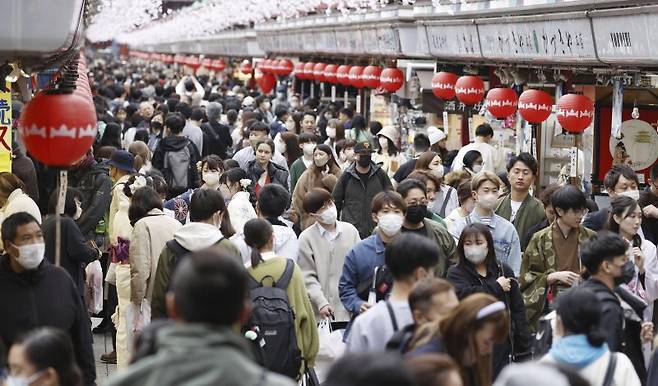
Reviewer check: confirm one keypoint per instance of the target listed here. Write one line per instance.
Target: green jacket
(296, 170)
(538, 262)
(446, 243)
(167, 263)
(436, 218)
(530, 213)
(196, 355)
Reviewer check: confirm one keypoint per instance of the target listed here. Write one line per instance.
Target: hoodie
(174, 144)
(285, 244)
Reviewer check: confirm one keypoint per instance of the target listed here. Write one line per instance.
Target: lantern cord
(61, 200)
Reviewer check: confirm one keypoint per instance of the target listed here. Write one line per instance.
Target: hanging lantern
(318, 72)
(275, 67)
(246, 67)
(264, 66)
(391, 79)
(58, 128)
(193, 62)
(535, 106)
(266, 82)
(371, 75)
(285, 67)
(330, 73)
(308, 70)
(469, 89)
(299, 70)
(355, 76)
(501, 102)
(343, 74)
(207, 63)
(575, 112)
(443, 85)
(218, 65)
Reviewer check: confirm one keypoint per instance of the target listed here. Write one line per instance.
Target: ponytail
(257, 233)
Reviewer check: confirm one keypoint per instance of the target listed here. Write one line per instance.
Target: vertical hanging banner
(5, 128)
(617, 107)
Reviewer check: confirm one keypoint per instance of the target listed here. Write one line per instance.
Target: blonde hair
(483, 177)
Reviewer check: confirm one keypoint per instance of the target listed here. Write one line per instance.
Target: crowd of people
(243, 239)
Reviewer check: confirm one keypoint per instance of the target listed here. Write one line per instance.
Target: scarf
(576, 351)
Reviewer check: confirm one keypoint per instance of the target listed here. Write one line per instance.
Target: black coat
(467, 282)
(23, 168)
(277, 173)
(45, 297)
(95, 184)
(596, 221)
(76, 253)
(216, 139)
(612, 320)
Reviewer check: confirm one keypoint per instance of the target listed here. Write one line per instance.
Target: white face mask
(331, 132)
(211, 178)
(487, 201)
(308, 149)
(477, 168)
(634, 194)
(437, 170)
(22, 381)
(280, 146)
(391, 223)
(78, 211)
(31, 255)
(329, 216)
(475, 253)
(383, 142)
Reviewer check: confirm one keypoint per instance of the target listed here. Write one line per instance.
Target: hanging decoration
(299, 70)
(535, 106)
(355, 76)
(218, 65)
(501, 102)
(342, 74)
(330, 73)
(193, 62)
(265, 66)
(206, 63)
(391, 79)
(318, 72)
(443, 85)
(370, 76)
(285, 67)
(308, 70)
(469, 89)
(575, 112)
(246, 67)
(266, 82)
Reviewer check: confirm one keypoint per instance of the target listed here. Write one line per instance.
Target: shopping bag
(138, 317)
(94, 287)
(331, 341)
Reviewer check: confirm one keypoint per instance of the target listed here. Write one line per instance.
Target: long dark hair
(49, 347)
(581, 312)
(358, 125)
(292, 147)
(331, 163)
(622, 206)
(143, 201)
(257, 233)
(476, 229)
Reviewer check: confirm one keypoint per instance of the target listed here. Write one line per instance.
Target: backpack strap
(178, 249)
(610, 372)
(442, 212)
(394, 321)
(284, 281)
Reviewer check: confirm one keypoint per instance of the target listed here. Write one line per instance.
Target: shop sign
(413, 40)
(389, 41)
(459, 41)
(638, 146)
(456, 107)
(627, 38)
(5, 129)
(551, 40)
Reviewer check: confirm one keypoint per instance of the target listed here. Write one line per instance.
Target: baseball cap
(363, 148)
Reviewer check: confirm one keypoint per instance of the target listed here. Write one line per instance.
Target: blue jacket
(359, 267)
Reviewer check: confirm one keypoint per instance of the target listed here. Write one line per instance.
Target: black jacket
(649, 224)
(76, 253)
(216, 139)
(467, 282)
(175, 143)
(45, 297)
(612, 321)
(596, 221)
(404, 170)
(277, 173)
(533, 229)
(23, 168)
(95, 184)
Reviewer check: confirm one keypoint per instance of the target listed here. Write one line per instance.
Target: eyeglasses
(417, 202)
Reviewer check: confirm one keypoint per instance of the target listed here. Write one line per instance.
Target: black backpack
(381, 283)
(273, 320)
(177, 167)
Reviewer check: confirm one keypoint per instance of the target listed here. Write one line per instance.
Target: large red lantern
(308, 70)
(218, 65)
(502, 102)
(318, 71)
(391, 79)
(443, 85)
(371, 75)
(207, 63)
(266, 82)
(330, 73)
(535, 106)
(299, 70)
(193, 62)
(469, 89)
(575, 112)
(58, 129)
(285, 67)
(265, 66)
(246, 67)
(343, 74)
(355, 76)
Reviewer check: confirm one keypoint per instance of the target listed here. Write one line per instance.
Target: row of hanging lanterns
(575, 112)
(390, 79)
(192, 61)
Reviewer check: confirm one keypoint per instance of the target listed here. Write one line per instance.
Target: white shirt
(515, 208)
(329, 236)
(492, 158)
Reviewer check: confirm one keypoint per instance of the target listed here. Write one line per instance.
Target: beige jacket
(308, 181)
(149, 237)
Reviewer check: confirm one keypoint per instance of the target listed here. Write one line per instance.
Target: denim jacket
(360, 264)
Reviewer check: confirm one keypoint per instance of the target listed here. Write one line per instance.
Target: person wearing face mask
(493, 159)
(210, 227)
(415, 197)
(13, 198)
(156, 128)
(550, 263)
(258, 131)
(620, 180)
(335, 132)
(76, 251)
(322, 250)
(278, 126)
(367, 257)
(478, 272)
(388, 155)
(466, 204)
(307, 144)
(432, 183)
(216, 135)
(473, 163)
(35, 293)
(485, 186)
(323, 174)
(264, 107)
(409, 260)
(445, 198)
(345, 151)
(357, 187)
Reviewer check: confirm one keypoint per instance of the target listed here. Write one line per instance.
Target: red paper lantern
(299, 70)
(308, 70)
(318, 71)
(246, 67)
(535, 106)
(285, 67)
(207, 63)
(343, 74)
(218, 65)
(330, 73)
(179, 59)
(501, 102)
(265, 66)
(58, 129)
(193, 62)
(575, 112)
(391, 79)
(469, 89)
(371, 75)
(266, 82)
(355, 76)
(443, 85)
